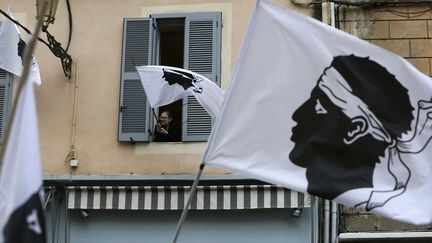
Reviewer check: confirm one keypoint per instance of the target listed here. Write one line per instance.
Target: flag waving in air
(317, 110)
(21, 212)
(164, 85)
(12, 51)
(11, 47)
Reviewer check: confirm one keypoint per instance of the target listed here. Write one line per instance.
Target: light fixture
(84, 213)
(297, 212)
(53, 45)
(49, 17)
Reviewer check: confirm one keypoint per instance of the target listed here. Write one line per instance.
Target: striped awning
(174, 197)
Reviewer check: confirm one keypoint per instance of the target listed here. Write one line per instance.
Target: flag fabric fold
(164, 85)
(317, 110)
(21, 210)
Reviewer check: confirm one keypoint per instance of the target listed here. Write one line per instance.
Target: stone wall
(407, 31)
(403, 29)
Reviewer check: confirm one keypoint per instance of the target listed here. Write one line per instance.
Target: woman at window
(165, 131)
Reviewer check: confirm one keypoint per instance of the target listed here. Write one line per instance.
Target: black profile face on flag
(164, 85)
(20, 49)
(184, 79)
(337, 117)
(354, 114)
(26, 223)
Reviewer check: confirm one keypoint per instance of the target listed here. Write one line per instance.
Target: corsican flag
(164, 85)
(21, 211)
(11, 47)
(320, 111)
(12, 51)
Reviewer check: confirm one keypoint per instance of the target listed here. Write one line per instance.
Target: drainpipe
(333, 227)
(315, 220)
(332, 15)
(328, 17)
(326, 221)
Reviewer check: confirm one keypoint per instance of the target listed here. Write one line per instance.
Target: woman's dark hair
(167, 112)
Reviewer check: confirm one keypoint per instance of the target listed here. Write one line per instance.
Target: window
(6, 79)
(190, 41)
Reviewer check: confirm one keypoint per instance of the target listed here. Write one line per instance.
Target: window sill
(156, 148)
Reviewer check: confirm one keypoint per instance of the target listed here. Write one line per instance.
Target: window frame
(189, 103)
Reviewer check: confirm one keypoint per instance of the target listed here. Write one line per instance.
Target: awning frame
(211, 197)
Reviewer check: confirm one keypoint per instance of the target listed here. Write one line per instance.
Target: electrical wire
(406, 14)
(391, 11)
(70, 24)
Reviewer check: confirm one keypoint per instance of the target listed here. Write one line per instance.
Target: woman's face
(165, 119)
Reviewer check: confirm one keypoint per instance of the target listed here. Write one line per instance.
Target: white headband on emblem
(339, 92)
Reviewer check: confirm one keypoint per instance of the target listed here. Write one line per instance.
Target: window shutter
(135, 112)
(202, 55)
(5, 93)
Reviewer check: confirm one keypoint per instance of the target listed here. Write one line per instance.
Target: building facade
(105, 178)
(107, 181)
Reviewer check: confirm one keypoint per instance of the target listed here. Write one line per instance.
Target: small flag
(317, 110)
(21, 211)
(11, 47)
(12, 51)
(164, 85)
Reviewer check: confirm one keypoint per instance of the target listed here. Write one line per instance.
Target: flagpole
(28, 54)
(188, 202)
(154, 114)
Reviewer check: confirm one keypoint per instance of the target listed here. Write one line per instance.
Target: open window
(170, 52)
(187, 40)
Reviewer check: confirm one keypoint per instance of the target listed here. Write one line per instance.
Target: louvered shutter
(134, 115)
(202, 55)
(5, 93)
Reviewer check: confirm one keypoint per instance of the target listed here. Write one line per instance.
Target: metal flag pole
(154, 114)
(188, 202)
(28, 54)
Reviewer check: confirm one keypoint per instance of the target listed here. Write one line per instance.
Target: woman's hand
(158, 127)
(163, 131)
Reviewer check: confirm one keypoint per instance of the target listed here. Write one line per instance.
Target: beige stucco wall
(96, 50)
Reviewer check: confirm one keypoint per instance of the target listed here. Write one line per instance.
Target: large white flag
(164, 85)
(317, 110)
(21, 212)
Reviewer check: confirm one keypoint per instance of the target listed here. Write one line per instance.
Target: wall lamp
(52, 44)
(84, 213)
(49, 17)
(296, 213)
